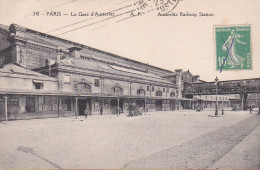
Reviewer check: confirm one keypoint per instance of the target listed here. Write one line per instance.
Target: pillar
(242, 101)
(76, 107)
(144, 105)
(6, 108)
(58, 106)
(117, 106)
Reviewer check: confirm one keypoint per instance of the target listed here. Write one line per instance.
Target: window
(172, 94)
(41, 99)
(153, 88)
(140, 92)
(117, 90)
(84, 86)
(75, 84)
(66, 79)
(96, 82)
(68, 103)
(38, 85)
(148, 88)
(55, 107)
(158, 93)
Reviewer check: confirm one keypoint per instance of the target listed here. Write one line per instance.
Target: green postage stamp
(233, 47)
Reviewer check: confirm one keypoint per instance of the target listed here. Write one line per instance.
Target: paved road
(110, 142)
(201, 152)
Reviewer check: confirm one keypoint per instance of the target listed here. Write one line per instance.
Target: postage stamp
(233, 47)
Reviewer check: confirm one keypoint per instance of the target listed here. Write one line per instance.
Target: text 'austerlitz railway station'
(46, 76)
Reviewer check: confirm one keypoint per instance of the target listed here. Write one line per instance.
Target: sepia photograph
(129, 84)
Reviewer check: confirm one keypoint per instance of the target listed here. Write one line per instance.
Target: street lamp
(222, 106)
(216, 81)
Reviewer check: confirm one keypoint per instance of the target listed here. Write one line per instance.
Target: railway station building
(46, 76)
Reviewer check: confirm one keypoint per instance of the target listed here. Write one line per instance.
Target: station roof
(56, 42)
(16, 70)
(107, 69)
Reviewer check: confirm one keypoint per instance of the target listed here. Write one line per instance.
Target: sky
(168, 42)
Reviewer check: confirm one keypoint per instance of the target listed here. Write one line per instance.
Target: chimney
(178, 70)
(74, 52)
(179, 82)
(196, 78)
(59, 53)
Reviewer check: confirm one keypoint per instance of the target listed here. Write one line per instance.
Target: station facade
(46, 76)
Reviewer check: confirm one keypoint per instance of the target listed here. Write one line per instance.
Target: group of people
(251, 109)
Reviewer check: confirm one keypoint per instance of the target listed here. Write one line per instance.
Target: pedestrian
(251, 108)
(101, 110)
(86, 112)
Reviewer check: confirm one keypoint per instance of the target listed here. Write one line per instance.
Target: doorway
(141, 105)
(172, 104)
(114, 106)
(30, 104)
(158, 105)
(84, 105)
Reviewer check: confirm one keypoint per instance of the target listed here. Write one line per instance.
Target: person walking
(251, 108)
(86, 113)
(101, 110)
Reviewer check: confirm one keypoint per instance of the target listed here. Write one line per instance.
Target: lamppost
(222, 106)
(216, 81)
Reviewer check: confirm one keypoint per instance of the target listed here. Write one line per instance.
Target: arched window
(117, 90)
(158, 93)
(172, 94)
(83, 86)
(141, 92)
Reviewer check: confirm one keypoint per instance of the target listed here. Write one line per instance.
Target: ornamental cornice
(38, 47)
(121, 78)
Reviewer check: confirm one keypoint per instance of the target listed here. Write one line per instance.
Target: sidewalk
(208, 149)
(246, 155)
(78, 118)
(105, 116)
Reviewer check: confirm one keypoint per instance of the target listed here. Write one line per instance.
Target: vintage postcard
(129, 84)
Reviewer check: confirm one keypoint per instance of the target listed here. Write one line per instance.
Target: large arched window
(84, 87)
(141, 92)
(117, 90)
(172, 94)
(158, 93)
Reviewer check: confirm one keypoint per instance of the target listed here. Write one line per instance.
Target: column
(145, 105)
(76, 107)
(242, 101)
(6, 108)
(58, 106)
(118, 107)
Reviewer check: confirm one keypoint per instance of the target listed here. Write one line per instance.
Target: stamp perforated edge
(214, 44)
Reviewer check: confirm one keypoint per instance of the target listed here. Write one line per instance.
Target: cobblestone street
(184, 139)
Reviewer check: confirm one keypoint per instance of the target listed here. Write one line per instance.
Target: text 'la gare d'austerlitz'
(74, 14)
